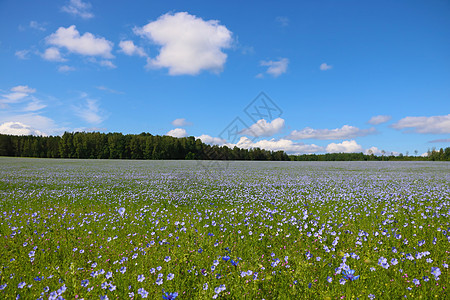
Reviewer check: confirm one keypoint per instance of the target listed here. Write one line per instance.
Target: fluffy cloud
(277, 145)
(345, 132)
(90, 111)
(129, 48)
(324, 67)
(434, 124)
(18, 128)
(38, 124)
(345, 147)
(23, 89)
(86, 44)
(275, 67)
(16, 95)
(181, 122)
(52, 54)
(22, 54)
(375, 120)
(37, 26)
(264, 128)
(376, 151)
(78, 8)
(177, 132)
(34, 105)
(189, 44)
(207, 139)
(105, 63)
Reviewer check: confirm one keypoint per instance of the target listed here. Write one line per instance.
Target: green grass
(268, 217)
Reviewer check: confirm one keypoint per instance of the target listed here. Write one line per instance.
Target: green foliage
(146, 146)
(131, 146)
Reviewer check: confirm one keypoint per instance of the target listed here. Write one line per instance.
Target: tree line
(96, 145)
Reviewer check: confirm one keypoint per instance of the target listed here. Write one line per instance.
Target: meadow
(111, 229)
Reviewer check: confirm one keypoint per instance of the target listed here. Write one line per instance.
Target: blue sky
(344, 76)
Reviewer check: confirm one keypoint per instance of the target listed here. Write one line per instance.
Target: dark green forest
(96, 145)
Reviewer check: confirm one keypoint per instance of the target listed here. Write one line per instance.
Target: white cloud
(129, 48)
(177, 132)
(23, 89)
(36, 122)
(189, 44)
(22, 54)
(65, 68)
(34, 105)
(207, 139)
(16, 95)
(107, 63)
(78, 8)
(18, 128)
(376, 151)
(264, 128)
(380, 119)
(181, 122)
(434, 124)
(345, 132)
(324, 67)
(275, 67)
(277, 145)
(53, 54)
(37, 26)
(345, 147)
(86, 44)
(90, 111)
(373, 150)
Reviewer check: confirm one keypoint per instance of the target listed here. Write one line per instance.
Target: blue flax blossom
(170, 296)
(348, 275)
(143, 293)
(383, 262)
(436, 272)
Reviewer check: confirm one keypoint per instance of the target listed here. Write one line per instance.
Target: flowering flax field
(93, 229)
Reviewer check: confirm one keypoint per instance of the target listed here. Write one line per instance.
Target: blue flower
(349, 275)
(170, 296)
(143, 293)
(121, 211)
(435, 271)
(226, 258)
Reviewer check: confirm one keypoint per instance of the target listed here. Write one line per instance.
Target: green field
(106, 229)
